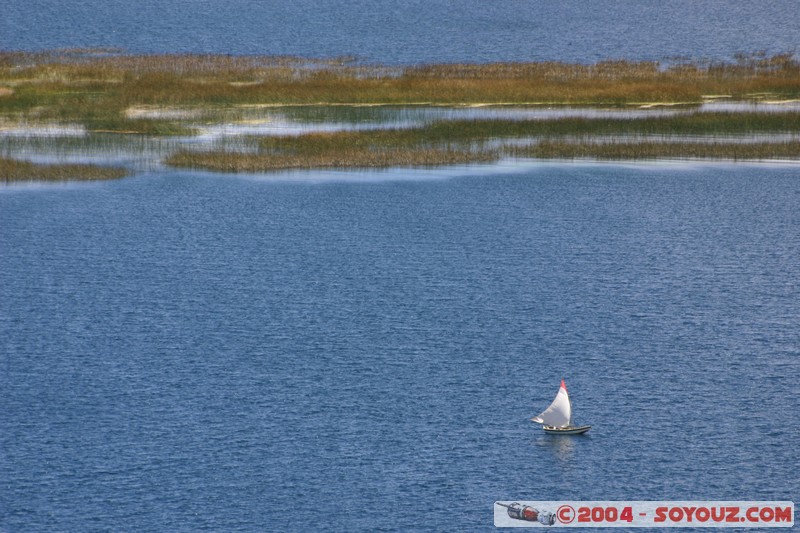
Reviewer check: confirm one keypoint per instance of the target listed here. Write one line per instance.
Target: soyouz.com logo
(644, 514)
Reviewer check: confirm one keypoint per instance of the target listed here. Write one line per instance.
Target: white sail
(559, 413)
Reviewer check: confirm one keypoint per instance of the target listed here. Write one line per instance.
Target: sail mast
(569, 401)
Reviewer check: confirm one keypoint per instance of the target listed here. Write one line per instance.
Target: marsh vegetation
(180, 96)
(660, 150)
(13, 171)
(703, 135)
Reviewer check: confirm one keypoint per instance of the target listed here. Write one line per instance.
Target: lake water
(361, 351)
(412, 31)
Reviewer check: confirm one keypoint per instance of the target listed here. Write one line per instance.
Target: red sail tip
(563, 385)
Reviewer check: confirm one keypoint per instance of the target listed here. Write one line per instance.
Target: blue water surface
(360, 352)
(412, 31)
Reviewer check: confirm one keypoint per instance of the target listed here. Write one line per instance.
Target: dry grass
(14, 171)
(99, 88)
(438, 144)
(218, 161)
(95, 88)
(236, 162)
(342, 149)
(694, 123)
(660, 150)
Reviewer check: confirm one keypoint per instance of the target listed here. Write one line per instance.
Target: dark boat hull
(570, 430)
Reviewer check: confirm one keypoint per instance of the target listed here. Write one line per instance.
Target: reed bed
(106, 91)
(14, 171)
(471, 132)
(694, 123)
(238, 162)
(659, 150)
(95, 88)
(448, 142)
(371, 149)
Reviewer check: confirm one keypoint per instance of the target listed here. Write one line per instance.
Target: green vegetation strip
(660, 150)
(449, 142)
(12, 171)
(231, 162)
(343, 149)
(165, 95)
(97, 90)
(690, 123)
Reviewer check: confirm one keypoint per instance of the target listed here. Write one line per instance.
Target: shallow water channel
(236, 128)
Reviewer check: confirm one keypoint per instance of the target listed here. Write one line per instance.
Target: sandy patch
(781, 102)
(653, 105)
(5, 91)
(41, 130)
(158, 112)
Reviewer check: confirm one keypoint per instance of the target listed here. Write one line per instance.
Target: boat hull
(569, 430)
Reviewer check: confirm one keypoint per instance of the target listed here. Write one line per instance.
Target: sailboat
(557, 419)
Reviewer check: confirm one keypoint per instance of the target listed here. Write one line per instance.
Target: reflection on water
(137, 152)
(33, 130)
(562, 446)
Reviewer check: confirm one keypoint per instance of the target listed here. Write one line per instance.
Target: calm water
(344, 352)
(361, 351)
(411, 31)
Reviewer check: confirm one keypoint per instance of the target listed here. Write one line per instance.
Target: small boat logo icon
(518, 511)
